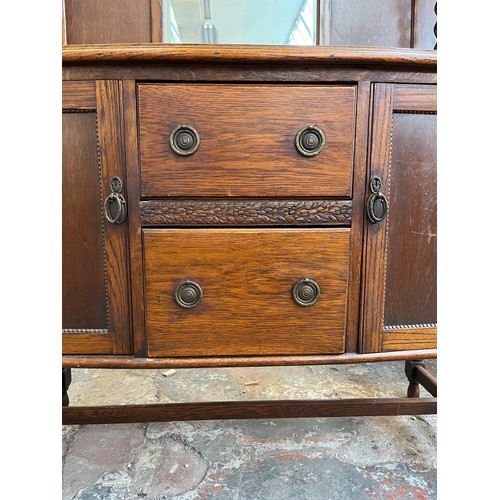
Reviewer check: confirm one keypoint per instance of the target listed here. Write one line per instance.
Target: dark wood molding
(156, 21)
(247, 410)
(115, 237)
(246, 212)
(135, 232)
(424, 22)
(375, 234)
(206, 362)
(270, 72)
(64, 35)
(128, 53)
(324, 25)
(358, 194)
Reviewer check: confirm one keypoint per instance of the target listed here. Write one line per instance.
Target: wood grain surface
(87, 343)
(362, 56)
(135, 232)
(110, 116)
(247, 409)
(247, 276)
(409, 338)
(399, 288)
(247, 140)
(424, 21)
(411, 270)
(108, 21)
(358, 213)
(372, 23)
(84, 292)
(96, 309)
(207, 362)
(79, 95)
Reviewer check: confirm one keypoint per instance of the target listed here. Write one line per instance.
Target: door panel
(399, 285)
(95, 297)
(410, 289)
(84, 276)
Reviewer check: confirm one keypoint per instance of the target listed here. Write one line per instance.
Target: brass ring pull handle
(188, 294)
(310, 140)
(306, 292)
(184, 140)
(115, 206)
(376, 207)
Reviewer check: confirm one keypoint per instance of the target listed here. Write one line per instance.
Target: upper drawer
(247, 136)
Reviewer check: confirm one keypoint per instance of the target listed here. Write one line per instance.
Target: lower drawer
(230, 292)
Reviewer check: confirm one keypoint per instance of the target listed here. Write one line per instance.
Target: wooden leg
(414, 385)
(66, 381)
(418, 375)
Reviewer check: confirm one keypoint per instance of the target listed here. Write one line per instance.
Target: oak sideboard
(229, 205)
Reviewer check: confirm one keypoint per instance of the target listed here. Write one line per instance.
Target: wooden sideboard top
(248, 54)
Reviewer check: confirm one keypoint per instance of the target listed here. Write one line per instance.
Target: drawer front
(247, 140)
(246, 278)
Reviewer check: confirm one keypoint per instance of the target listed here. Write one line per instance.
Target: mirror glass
(262, 22)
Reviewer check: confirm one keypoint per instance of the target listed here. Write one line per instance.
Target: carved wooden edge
(246, 212)
(424, 24)
(84, 361)
(106, 53)
(102, 331)
(408, 327)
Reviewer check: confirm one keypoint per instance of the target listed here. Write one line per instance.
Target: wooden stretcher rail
(248, 410)
(426, 379)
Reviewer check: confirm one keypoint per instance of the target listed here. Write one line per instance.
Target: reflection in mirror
(266, 22)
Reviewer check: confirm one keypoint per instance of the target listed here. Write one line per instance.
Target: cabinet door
(399, 284)
(95, 302)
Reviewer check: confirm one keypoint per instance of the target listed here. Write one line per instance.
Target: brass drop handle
(184, 140)
(188, 294)
(310, 140)
(376, 207)
(306, 292)
(115, 206)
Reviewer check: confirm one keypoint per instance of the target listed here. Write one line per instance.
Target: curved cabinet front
(241, 285)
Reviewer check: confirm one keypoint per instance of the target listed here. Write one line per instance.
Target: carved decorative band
(413, 112)
(85, 330)
(246, 212)
(408, 327)
(75, 110)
